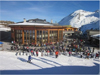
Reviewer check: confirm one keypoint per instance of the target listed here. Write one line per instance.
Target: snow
(11, 64)
(3, 28)
(82, 19)
(93, 26)
(96, 35)
(27, 23)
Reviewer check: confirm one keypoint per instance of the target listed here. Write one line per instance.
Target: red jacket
(31, 51)
(36, 52)
(97, 54)
(56, 52)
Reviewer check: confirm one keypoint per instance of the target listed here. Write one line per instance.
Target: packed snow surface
(9, 61)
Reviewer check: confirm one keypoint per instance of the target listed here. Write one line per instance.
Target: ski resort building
(37, 31)
(69, 31)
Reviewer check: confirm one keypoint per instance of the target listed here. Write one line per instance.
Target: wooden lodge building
(36, 31)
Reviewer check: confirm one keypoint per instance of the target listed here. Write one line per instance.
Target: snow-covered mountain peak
(80, 18)
(81, 12)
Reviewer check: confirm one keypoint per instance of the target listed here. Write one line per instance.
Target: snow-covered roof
(96, 35)
(3, 28)
(27, 23)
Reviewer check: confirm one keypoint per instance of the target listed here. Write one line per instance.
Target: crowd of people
(65, 47)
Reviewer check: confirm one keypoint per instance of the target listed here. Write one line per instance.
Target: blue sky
(55, 10)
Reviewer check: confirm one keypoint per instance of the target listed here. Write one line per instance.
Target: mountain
(5, 23)
(82, 19)
(93, 26)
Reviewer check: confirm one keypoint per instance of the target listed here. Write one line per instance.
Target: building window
(68, 29)
(74, 29)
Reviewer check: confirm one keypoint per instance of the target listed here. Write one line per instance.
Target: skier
(73, 49)
(41, 52)
(56, 53)
(29, 58)
(11, 47)
(92, 55)
(19, 52)
(36, 53)
(50, 52)
(69, 53)
(88, 55)
(97, 55)
(32, 53)
(81, 54)
(23, 52)
(89, 49)
(93, 49)
(47, 52)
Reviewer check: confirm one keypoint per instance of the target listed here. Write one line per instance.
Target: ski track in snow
(19, 62)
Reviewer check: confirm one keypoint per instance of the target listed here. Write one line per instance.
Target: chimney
(24, 20)
(51, 21)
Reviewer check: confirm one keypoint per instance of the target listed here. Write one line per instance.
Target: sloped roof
(39, 21)
(27, 23)
(35, 22)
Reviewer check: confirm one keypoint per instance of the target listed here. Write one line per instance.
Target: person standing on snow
(29, 58)
(97, 55)
(32, 52)
(36, 53)
(93, 49)
(69, 53)
(81, 54)
(88, 55)
(41, 52)
(47, 52)
(92, 55)
(56, 53)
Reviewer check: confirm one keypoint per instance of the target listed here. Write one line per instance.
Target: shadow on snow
(55, 70)
(24, 60)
